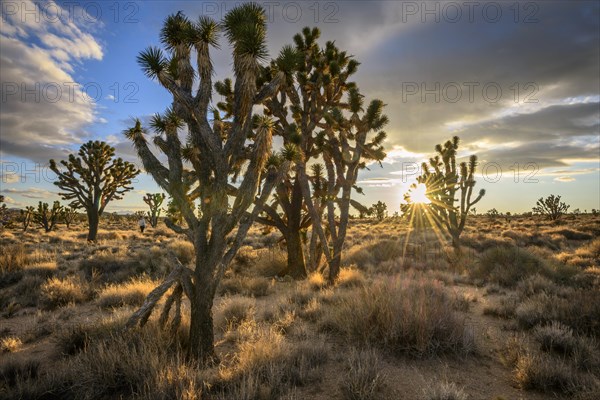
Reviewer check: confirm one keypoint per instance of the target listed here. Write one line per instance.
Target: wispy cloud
(31, 193)
(43, 109)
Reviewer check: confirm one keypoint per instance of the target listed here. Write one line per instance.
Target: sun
(419, 194)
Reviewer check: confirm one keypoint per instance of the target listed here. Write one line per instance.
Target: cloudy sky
(517, 81)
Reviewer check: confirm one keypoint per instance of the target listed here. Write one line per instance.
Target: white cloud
(9, 178)
(564, 179)
(9, 200)
(38, 60)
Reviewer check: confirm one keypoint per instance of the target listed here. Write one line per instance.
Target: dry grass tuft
(363, 379)
(509, 265)
(131, 293)
(444, 391)
(234, 311)
(405, 317)
(10, 344)
(183, 250)
(57, 292)
(351, 277)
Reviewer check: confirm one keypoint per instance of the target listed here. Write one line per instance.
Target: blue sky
(518, 82)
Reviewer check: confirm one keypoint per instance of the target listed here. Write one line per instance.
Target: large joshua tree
(311, 98)
(450, 190)
(219, 150)
(93, 179)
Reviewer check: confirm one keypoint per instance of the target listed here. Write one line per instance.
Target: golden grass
(10, 344)
(57, 292)
(131, 293)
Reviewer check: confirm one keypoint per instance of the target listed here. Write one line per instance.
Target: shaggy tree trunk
(296, 267)
(93, 220)
(201, 325)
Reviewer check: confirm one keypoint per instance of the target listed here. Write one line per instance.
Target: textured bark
(93, 221)
(296, 267)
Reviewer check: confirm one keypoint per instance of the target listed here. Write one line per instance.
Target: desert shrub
(579, 310)
(267, 366)
(183, 250)
(535, 284)
(351, 277)
(248, 286)
(233, 311)
(505, 309)
(108, 266)
(25, 293)
(363, 379)
(481, 242)
(57, 292)
(548, 374)
(312, 311)
(75, 338)
(10, 344)
(14, 371)
(404, 317)
(555, 337)
(12, 258)
(145, 364)
(131, 293)
(316, 281)
(272, 262)
(570, 234)
(585, 256)
(444, 391)
(373, 252)
(508, 265)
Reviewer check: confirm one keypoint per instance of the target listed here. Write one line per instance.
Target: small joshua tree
(93, 179)
(68, 215)
(380, 210)
(26, 216)
(551, 207)
(445, 181)
(47, 217)
(154, 201)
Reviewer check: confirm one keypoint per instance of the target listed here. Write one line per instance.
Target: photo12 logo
(326, 12)
(469, 11)
(86, 12)
(453, 92)
(71, 92)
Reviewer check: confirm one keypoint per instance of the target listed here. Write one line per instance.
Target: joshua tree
(68, 215)
(93, 179)
(154, 201)
(347, 144)
(551, 206)
(47, 217)
(317, 110)
(445, 180)
(380, 210)
(2, 209)
(219, 148)
(26, 216)
(493, 213)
